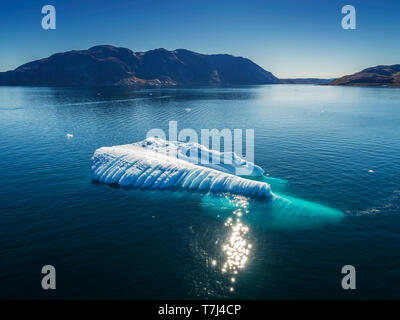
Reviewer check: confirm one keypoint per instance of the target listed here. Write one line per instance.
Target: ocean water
(331, 155)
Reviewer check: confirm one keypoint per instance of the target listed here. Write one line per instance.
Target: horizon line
(276, 74)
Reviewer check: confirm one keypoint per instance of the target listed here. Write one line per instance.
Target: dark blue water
(337, 147)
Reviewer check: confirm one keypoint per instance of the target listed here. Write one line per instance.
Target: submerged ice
(280, 212)
(158, 164)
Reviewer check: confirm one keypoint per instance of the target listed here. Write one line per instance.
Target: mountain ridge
(381, 75)
(117, 66)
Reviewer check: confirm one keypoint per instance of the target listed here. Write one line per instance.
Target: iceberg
(198, 154)
(158, 164)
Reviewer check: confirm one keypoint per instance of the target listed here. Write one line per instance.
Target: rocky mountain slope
(109, 65)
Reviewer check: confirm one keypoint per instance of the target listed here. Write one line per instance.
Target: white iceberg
(154, 164)
(198, 154)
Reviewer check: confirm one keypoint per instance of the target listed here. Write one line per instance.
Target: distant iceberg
(158, 164)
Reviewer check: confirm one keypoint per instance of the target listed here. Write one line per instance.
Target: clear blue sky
(291, 38)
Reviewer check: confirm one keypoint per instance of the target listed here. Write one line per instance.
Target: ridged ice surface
(198, 154)
(135, 166)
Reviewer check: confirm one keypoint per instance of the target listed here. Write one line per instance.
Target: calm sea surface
(337, 148)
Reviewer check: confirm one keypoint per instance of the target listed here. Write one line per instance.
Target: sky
(290, 38)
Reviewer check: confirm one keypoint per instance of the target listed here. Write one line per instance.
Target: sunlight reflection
(236, 248)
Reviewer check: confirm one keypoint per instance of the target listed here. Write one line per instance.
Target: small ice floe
(371, 171)
(69, 135)
(188, 109)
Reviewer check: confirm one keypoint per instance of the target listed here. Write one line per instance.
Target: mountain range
(108, 65)
(375, 76)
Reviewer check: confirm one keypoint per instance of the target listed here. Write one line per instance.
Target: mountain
(109, 66)
(305, 81)
(375, 76)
